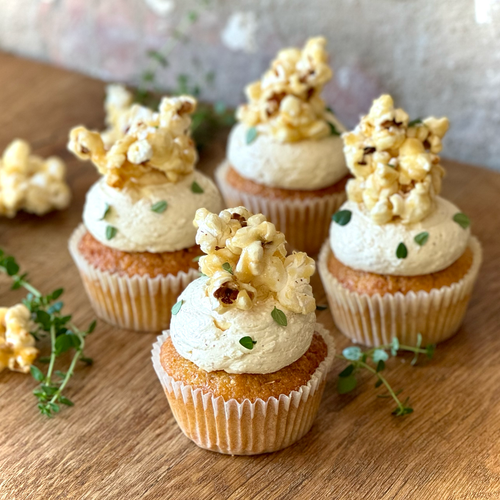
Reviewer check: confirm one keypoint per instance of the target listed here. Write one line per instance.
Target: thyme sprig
(207, 118)
(46, 314)
(373, 360)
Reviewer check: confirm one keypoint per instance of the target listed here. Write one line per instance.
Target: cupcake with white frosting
(284, 156)
(136, 248)
(244, 363)
(400, 260)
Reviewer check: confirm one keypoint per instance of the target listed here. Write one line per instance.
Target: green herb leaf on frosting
(111, 232)
(333, 129)
(177, 307)
(227, 267)
(414, 123)
(196, 188)
(197, 258)
(421, 238)
(251, 135)
(319, 307)
(401, 251)
(107, 208)
(279, 316)
(159, 207)
(462, 220)
(342, 217)
(247, 342)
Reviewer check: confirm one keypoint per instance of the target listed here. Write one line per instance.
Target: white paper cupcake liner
(246, 428)
(375, 320)
(304, 222)
(137, 303)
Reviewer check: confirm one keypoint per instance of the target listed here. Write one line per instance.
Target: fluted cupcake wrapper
(304, 222)
(137, 303)
(375, 320)
(246, 428)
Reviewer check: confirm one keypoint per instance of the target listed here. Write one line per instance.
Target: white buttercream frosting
(363, 245)
(211, 340)
(140, 229)
(308, 164)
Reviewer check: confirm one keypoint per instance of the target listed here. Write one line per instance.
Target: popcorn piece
(395, 165)
(30, 183)
(17, 351)
(139, 140)
(286, 103)
(246, 262)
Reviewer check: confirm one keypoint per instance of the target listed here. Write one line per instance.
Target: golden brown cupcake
(136, 247)
(244, 363)
(284, 157)
(400, 260)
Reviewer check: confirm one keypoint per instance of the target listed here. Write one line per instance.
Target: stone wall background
(438, 57)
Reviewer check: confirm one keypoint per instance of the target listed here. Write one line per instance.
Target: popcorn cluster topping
(247, 262)
(286, 102)
(30, 183)
(139, 141)
(395, 163)
(17, 351)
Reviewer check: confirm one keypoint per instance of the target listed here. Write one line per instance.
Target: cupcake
(400, 260)
(244, 363)
(284, 156)
(136, 248)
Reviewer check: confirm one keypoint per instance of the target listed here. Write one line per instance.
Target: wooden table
(120, 440)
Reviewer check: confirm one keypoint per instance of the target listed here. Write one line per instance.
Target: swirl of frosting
(211, 340)
(306, 165)
(138, 227)
(365, 246)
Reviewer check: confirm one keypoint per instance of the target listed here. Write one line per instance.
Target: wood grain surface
(120, 440)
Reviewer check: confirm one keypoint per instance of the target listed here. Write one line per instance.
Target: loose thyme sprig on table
(360, 360)
(64, 335)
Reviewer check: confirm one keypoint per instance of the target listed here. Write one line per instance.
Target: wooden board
(121, 441)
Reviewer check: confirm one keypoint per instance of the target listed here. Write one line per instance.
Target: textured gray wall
(438, 57)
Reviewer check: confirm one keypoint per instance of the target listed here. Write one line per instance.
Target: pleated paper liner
(137, 303)
(375, 320)
(304, 222)
(246, 428)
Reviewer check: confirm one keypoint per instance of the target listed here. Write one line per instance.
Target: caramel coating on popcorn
(31, 183)
(247, 261)
(17, 345)
(118, 106)
(144, 142)
(396, 166)
(286, 102)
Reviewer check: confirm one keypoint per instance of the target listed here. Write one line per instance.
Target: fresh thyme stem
(52, 353)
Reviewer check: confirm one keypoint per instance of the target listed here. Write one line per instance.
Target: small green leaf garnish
(333, 129)
(196, 188)
(414, 123)
(319, 307)
(177, 307)
(462, 220)
(279, 316)
(421, 238)
(227, 267)
(107, 208)
(342, 217)
(380, 355)
(352, 353)
(159, 207)
(37, 374)
(197, 258)
(346, 384)
(401, 251)
(111, 232)
(251, 135)
(247, 342)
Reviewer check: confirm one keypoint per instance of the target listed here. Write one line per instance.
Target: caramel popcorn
(247, 261)
(144, 141)
(30, 183)
(395, 163)
(17, 345)
(286, 102)
(118, 106)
